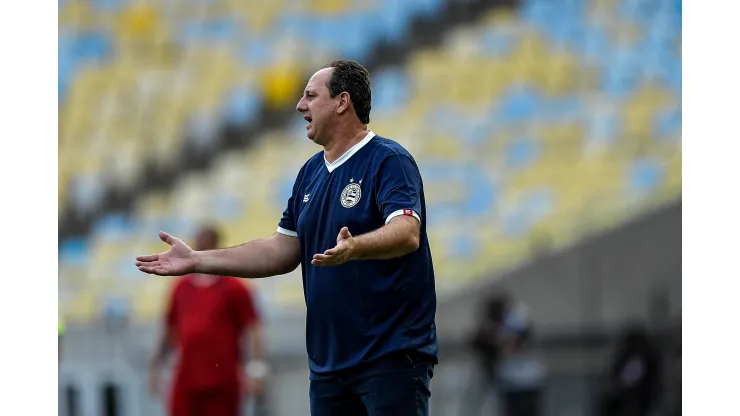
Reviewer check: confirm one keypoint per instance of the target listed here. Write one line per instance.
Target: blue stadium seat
(462, 246)
(257, 52)
(567, 108)
(428, 7)
(538, 203)
(496, 43)
(645, 175)
(109, 5)
(622, 74)
(514, 224)
(357, 38)
(213, 30)
(667, 123)
(603, 128)
(115, 225)
(241, 106)
(519, 104)
(494, 162)
(74, 251)
(476, 131)
(393, 17)
(92, 46)
(390, 90)
(228, 206)
(521, 153)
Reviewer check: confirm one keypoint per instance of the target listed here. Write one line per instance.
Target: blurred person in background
(210, 321)
(634, 377)
(520, 373)
(371, 300)
(506, 361)
(672, 398)
(486, 348)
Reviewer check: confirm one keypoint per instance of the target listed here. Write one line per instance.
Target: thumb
(344, 233)
(167, 238)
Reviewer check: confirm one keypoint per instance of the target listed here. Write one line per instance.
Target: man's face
(318, 108)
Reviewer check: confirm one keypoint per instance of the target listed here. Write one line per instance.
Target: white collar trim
(349, 153)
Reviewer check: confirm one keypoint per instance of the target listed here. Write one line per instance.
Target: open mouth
(309, 119)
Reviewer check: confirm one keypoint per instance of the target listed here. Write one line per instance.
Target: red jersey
(208, 323)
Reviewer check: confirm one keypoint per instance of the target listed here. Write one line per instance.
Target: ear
(343, 103)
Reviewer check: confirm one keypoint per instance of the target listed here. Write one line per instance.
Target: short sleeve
(399, 188)
(170, 316)
(246, 309)
(287, 225)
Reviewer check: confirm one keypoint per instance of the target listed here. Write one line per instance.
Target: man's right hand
(177, 261)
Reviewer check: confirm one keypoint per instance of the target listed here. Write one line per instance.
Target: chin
(312, 136)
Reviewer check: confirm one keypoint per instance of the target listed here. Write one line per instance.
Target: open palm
(177, 261)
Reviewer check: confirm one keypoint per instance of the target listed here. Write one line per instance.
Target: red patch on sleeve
(408, 212)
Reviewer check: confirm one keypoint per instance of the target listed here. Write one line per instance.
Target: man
(486, 346)
(209, 319)
(521, 371)
(507, 362)
(356, 225)
(634, 376)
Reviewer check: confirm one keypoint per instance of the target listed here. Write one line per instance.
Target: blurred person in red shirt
(209, 321)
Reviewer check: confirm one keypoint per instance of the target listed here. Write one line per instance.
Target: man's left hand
(340, 254)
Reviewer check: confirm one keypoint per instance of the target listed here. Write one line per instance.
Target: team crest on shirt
(351, 194)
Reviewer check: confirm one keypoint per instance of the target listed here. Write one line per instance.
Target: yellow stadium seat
(327, 7)
(76, 14)
(138, 21)
(280, 86)
(561, 74)
(499, 17)
(136, 109)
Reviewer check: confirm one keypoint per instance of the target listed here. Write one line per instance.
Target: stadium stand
(533, 128)
(138, 77)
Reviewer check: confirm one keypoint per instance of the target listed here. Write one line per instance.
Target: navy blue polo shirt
(364, 309)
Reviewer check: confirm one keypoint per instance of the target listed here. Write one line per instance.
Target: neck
(343, 140)
(203, 280)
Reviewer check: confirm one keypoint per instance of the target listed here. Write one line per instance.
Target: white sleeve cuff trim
(289, 233)
(394, 214)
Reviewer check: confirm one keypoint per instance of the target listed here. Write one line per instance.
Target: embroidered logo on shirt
(305, 197)
(351, 194)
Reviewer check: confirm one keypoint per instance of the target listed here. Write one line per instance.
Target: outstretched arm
(272, 256)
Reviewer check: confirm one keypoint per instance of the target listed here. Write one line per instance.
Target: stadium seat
(534, 128)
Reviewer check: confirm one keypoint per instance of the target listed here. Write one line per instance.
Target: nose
(301, 107)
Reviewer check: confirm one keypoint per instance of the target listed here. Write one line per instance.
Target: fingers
(322, 260)
(325, 260)
(167, 238)
(160, 271)
(152, 268)
(322, 257)
(145, 269)
(322, 263)
(149, 258)
(344, 233)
